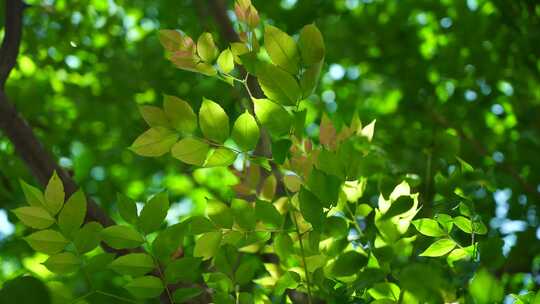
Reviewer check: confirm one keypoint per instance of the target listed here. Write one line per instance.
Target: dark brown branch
(27, 145)
(12, 38)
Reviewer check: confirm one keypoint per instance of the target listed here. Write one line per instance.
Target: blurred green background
(442, 78)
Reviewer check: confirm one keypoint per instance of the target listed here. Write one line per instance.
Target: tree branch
(27, 145)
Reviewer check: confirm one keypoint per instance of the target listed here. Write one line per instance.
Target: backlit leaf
(154, 116)
(47, 241)
(206, 48)
(226, 61)
(180, 114)
(34, 217)
(191, 151)
(121, 237)
(221, 157)
(207, 245)
(87, 238)
(439, 248)
(213, 121)
(154, 142)
(54, 194)
(145, 287)
(311, 45)
(219, 213)
(278, 85)
(34, 196)
(273, 116)
(72, 215)
(246, 132)
(127, 208)
(133, 264)
(154, 212)
(62, 263)
(281, 48)
(428, 227)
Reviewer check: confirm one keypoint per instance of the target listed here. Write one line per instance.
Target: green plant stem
(82, 297)
(355, 223)
(303, 257)
(110, 295)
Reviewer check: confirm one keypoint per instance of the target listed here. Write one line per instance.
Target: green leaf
(168, 242)
(206, 48)
(145, 287)
(191, 151)
(127, 208)
(200, 224)
(273, 116)
(459, 254)
(72, 215)
(348, 264)
(311, 45)
(133, 264)
(154, 212)
(207, 245)
(246, 271)
(34, 196)
(87, 238)
(445, 221)
(180, 114)
(289, 280)
(429, 227)
(34, 217)
(185, 270)
(310, 207)
(221, 157)
(225, 61)
(218, 281)
(54, 194)
(99, 262)
(245, 132)
(62, 263)
(466, 225)
(484, 288)
(214, 121)
(439, 248)
(385, 291)
(181, 295)
(121, 237)
(219, 213)
(281, 48)
(173, 40)
(283, 246)
(267, 213)
(154, 116)
(280, 150)
(47, 241)
(244, 214)
(326, 187)
(154, 142)
(278, 85)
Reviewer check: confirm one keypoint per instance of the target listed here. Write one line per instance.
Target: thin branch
(12, 39)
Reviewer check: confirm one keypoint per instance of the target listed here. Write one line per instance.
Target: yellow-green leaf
(311, 45)
(207, 245)
(154, 142)
(154, 116)
(34, 196)
(221, 157)
(34, 217)
(72, 215)
(225, 61)
(62, 263)
(154, 212)
(273, 116)
(246, 132)
(133, 264)
(278, 85)
(87, 238)
(281, 48)
(121, 237)
(47, 241)
(439, 248)
(54, 194)
(191, 151)
(180, 114)
(145, 287)
(206, 48)
(214, 121)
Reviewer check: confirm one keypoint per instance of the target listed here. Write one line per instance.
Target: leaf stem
(303, 256)
(115, 296)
